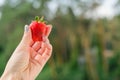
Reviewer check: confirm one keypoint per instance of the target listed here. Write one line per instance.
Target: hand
(28, 59)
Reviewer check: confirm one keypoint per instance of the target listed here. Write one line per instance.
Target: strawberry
(38, 29)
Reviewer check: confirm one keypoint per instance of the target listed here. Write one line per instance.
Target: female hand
(28, 59)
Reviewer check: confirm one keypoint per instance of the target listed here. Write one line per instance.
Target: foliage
(83, 48)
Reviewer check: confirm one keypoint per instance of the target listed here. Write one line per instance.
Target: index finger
(48, 30)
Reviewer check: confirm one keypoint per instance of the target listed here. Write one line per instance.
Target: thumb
(27, 38)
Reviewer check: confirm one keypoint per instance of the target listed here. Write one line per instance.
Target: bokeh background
(85, 36)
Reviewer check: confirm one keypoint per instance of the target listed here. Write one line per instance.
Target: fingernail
(26, 28)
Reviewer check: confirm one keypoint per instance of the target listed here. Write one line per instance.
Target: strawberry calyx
(38, 19)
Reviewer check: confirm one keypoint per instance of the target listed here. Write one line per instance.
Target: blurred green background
(85, 36)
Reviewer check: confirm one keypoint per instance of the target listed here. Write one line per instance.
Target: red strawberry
(38, 29)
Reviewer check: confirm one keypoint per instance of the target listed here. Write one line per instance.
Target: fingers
(48, 30)
(33, 53)
(43, 48)
(27, 32)
(39, 59)
(47, 52)
(37, 45)
(44, 53)
(26, 28)
(27, 38)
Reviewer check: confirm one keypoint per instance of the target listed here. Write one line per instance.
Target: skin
(28, 59)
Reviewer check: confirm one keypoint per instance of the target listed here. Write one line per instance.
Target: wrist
(10, 76)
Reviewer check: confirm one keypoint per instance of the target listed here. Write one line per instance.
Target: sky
(1, 2)
(105, 10)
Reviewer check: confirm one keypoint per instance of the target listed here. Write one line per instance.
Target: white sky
(1, 2)
(107, 9)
